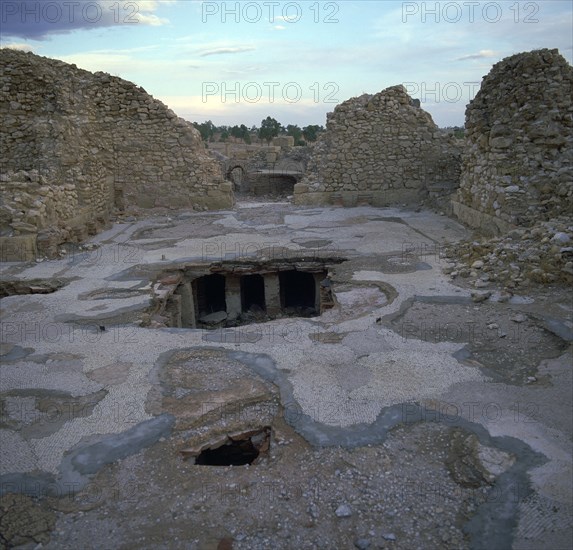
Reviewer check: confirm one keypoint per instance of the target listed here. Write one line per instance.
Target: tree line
(269, 129)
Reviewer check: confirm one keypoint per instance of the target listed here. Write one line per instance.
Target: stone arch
(237, 174)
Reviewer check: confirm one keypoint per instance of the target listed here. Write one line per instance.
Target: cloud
(482, 54)
(119, 64)
(279, 27)
(18, 46)
(198, 108)
(123, 63)
(242, 71)
(287, 18)
(38, 20)
(221, 51)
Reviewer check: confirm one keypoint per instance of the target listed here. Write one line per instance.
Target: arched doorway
(236, 175)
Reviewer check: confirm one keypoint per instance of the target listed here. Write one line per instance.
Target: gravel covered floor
(417, 413)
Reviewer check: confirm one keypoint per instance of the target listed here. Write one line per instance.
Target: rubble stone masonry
(518, 160)
(76, 146)
(380, 149)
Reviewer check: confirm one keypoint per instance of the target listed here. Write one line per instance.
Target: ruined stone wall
(380, 150)
(77, 145)
(249, 167)
(518, 163)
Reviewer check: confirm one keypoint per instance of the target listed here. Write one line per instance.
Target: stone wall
(77, 145)
(380, 149)
(518, 162)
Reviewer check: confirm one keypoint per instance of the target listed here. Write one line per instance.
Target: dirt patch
(472, 464)
(110, 375)
(35, 286)
(24, 520)
(507, 344)
(38, 413)
(300, 497)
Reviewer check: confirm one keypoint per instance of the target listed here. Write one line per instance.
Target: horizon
(237, 63)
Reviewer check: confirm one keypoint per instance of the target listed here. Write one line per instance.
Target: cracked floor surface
(408, 416)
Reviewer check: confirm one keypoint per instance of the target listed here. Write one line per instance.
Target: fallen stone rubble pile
(525, 256)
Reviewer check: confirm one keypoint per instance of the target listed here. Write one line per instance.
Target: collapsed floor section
(232, 295)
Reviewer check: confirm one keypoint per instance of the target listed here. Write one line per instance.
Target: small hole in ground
(237, 452)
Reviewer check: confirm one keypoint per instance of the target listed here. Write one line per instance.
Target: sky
(239, 62)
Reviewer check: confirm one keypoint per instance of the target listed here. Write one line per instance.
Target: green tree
(270, 128)
(206, 129)
(294, 131)
(311, 132)
(241, 132)
(245, 134)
